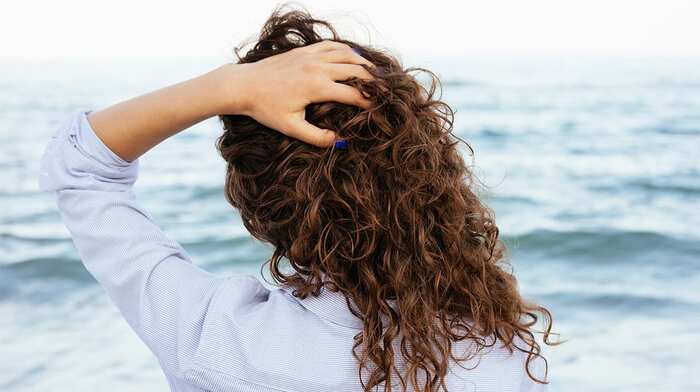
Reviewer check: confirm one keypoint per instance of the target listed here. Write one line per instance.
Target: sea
(591, 165)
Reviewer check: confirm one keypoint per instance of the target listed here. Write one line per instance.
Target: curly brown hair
(392, 222)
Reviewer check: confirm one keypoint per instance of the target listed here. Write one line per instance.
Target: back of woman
(255, 339)
(389, 222)
(389, 270)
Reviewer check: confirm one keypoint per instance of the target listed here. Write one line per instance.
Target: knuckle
(318, 82)
(347, 53)
(301, 50)
(325, 44)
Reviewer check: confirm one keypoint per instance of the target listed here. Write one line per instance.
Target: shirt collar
(329, 305)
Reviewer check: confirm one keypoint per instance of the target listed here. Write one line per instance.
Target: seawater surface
(591, 166)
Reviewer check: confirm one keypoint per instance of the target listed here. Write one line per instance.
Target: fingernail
(357, 51)
(341, 144)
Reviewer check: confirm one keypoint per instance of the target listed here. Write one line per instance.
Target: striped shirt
(208, 332)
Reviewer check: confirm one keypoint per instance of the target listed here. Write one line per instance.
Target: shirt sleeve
(149, 276)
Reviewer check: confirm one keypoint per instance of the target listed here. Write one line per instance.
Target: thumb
(309, 133)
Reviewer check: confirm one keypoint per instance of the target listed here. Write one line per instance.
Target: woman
(342, 161)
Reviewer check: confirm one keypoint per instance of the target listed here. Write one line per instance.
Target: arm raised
(275, 91)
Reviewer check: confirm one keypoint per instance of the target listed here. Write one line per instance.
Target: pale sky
(130, 28)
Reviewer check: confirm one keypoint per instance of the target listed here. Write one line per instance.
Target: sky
(161, 28)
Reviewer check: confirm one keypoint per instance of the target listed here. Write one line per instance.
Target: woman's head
(391, 221)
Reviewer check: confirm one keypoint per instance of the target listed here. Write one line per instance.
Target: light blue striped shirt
(214, 333)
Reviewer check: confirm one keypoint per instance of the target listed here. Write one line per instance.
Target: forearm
(274, 91)
(132, 127)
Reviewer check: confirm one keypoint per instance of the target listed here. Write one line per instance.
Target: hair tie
(341, 144)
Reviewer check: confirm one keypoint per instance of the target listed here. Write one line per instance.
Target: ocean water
(592, 167)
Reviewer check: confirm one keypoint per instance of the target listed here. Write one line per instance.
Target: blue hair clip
(341, 144)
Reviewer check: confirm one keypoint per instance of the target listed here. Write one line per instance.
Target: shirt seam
(326, 319)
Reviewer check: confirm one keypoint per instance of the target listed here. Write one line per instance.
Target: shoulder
(240, 291)
(538, 368)
(535, 375)
(496, 367)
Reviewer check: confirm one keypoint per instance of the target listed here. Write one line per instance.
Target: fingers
(339, 72)
(309, 133)
(326, 45)
(342, 93)
(336, 52)
(344, 56)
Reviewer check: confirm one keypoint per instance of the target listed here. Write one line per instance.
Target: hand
(276, 90)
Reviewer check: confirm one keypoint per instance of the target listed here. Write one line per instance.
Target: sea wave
(613, 302)
(605, 246)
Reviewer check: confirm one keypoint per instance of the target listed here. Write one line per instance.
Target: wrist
(228, 85)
